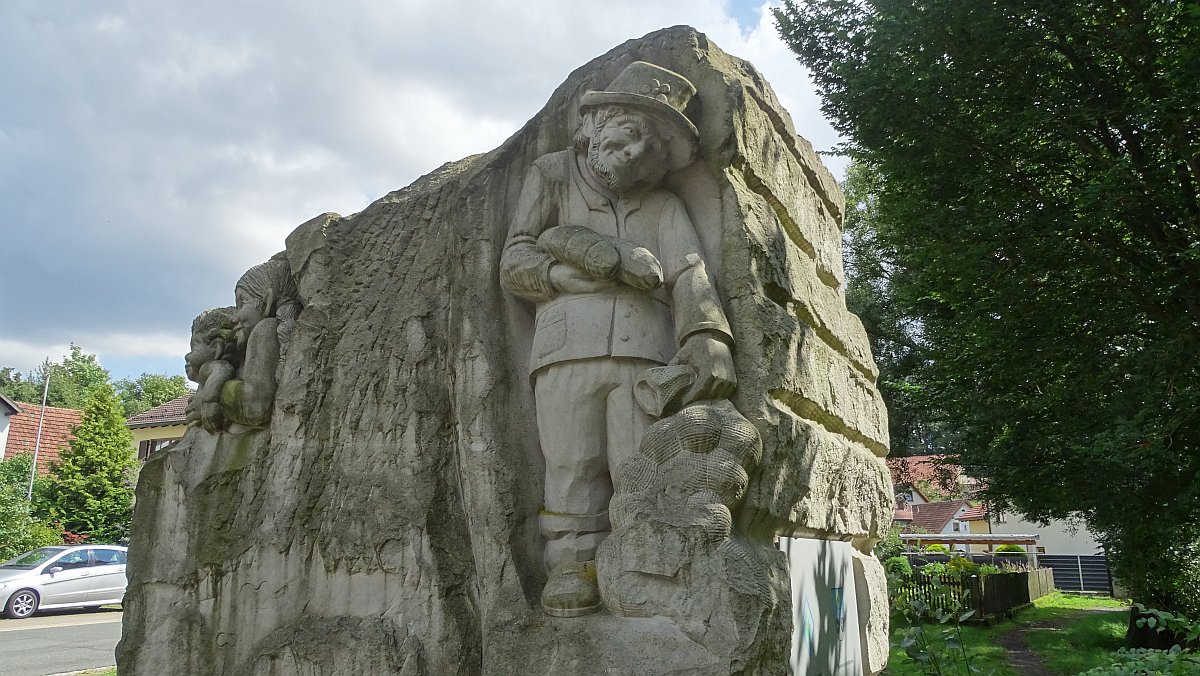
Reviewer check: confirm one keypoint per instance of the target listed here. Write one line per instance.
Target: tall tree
(1042, 169)
(149, 390)
(91, 486)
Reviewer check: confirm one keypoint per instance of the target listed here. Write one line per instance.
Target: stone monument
(560, 408)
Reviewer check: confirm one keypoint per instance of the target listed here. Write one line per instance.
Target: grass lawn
(1079, 644)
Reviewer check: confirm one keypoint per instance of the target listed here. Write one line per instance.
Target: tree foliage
(916, 425)
(91, 487)
(77, 373)
(70, 380)
(149, 390)
(1039, 168)
(20, 531)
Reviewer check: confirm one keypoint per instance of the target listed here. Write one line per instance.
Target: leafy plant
(898, 567)
(961, 566)
(937, 549)
(1010, 549)
(938, 649)
(1138, 661)
(1161, 621)
(891, 545)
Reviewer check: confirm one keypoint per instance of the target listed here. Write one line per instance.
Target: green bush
(891, 545)
(19, 531)
(935, 568)
(1010, 549)
(989, 569)
(961, 566)
(898, 566)
(937, 549)
(1143, 661)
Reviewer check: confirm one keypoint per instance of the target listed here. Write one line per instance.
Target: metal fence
(1078, 573)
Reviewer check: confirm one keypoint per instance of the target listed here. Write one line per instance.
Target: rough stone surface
(870, 581)
(385, 520)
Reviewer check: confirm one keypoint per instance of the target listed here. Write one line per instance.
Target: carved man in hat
(616, 271)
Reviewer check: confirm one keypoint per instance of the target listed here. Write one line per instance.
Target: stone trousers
(588, 423)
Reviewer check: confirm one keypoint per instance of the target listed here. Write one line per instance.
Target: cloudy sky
(150, 152)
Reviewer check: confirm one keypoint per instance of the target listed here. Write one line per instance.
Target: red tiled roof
(908, 471)
(976, 513)
(170, 413)
(932, 517)
(58, 430)
(904, 513)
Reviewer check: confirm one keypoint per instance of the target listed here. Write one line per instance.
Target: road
(53, 642)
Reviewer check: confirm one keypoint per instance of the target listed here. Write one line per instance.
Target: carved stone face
(249, 313)
(627, 151)
(202, 353)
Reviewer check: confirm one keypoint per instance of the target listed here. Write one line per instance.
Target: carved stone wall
(385, 521)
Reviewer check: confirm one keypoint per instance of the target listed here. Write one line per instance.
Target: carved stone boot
(571, 590)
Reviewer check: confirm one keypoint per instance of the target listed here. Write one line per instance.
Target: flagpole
(37, 444)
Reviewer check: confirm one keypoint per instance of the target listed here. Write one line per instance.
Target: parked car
(62, 577)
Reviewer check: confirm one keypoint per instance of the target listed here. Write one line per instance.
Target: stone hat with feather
(662, 93)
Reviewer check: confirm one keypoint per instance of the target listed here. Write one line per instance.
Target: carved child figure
(210, 364)
(267, 306)
(615, 269)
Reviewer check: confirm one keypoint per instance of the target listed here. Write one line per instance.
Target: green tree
(1040, 171)
(70, 380)
(148, 391)
(91, 487)
(20, 531)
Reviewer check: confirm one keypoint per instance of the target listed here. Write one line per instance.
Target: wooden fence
(991, 596)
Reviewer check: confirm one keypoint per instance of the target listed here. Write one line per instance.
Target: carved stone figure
(267, 307)
(614, 265)
(210, 364)
(374, 502)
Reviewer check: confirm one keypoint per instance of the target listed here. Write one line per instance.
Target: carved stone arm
(250, 399)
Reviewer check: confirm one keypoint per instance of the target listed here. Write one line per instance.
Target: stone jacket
(618, 322)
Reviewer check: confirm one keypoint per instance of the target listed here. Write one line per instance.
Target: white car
(62, 577)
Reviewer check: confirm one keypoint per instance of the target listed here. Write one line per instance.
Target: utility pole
(37, 444)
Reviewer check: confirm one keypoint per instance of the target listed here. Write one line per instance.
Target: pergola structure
(921, 539)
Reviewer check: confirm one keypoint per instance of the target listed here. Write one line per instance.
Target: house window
(150, 446)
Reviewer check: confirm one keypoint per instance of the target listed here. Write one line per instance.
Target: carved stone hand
(569, 280)
(710, 357)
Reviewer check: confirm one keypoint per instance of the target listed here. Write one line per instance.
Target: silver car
(62, 577)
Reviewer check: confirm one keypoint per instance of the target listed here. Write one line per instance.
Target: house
(8, 408)
(20, 430)
(915, 474)
(941, 518)
(154, 429)
(932, 475)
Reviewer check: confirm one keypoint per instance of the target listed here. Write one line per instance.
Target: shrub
(961, 566)
(937, 549)
(935, 568)
(1010, 549)
(891, 545)
(898, 566)
(1143, 661)
(19, 531)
